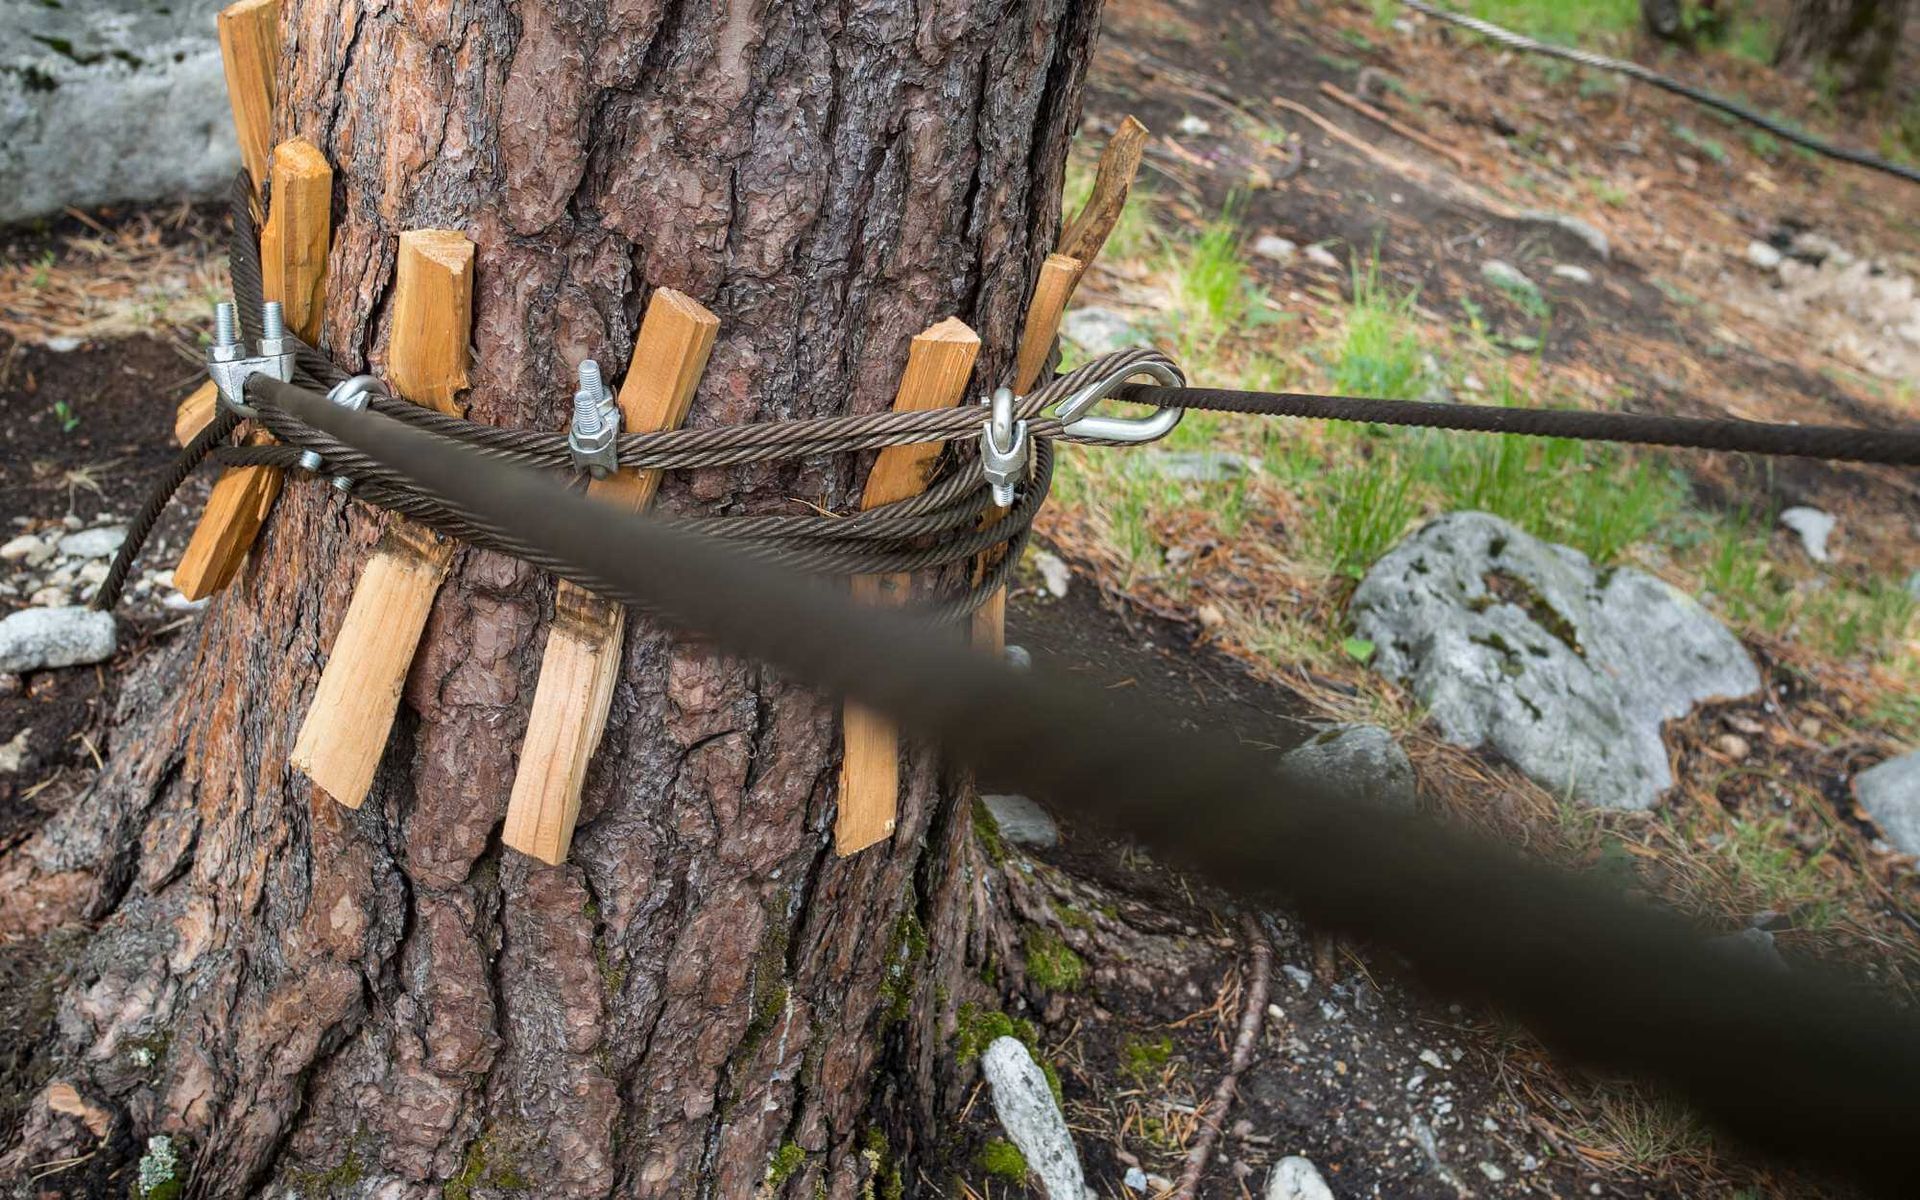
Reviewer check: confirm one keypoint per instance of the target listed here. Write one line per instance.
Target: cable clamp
(353, 394)
(229, 365)
(1003, 448)
(1072, 412)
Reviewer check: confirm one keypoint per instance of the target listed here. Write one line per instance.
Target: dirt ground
(1391, 1092)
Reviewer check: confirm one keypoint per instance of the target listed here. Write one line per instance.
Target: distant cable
(1507, 37)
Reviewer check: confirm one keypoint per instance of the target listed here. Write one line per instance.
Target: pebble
(50, 597)
(1023, 822)
(1506, 275)
(1494, 1174)
(1320, 256)
(1296, 1178)
(1031, 1117)
(1278, 249)
(1301, 979)
(1193, 126)
(1573, 274)
(1764, 256)
(1054, 573)
(1733, 746)
(1098, 330)
(103, 542)
(25, 546)
(56, 636)
(1814, 528)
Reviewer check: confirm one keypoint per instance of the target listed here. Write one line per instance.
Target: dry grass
(141, 274)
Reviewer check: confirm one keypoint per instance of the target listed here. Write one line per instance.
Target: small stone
(1199, 466)
(1192, 126)
(1764, 256)
(1890, 793)
(1507, 277)
(1278, 249)
(1913, 585)
(1136, 1179)
(13, 755)
(1019, 657)
(103, 542)
(1814, 528)
(179, 603)
(1023, 822)
(1098, 330)
(1031, 1117)
(1320, 256)
(1573, 274)
(95, 572)
(1751, 945)
(25, 546)
(1362, 761)
(1302, 979)
(1054, 573)
(36, 638)
(1733, 746)
(1494, 1174)
(50, 597)
(72, 522)
(1432, 1058)
(1295, 1178)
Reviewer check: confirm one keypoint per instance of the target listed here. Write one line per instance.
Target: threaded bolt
(587, 402)
(590, 377)
(225, 325)
(273, 320)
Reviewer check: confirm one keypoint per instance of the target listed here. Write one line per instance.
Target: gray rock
(1506, 275)
(1523, 646)
(1890, 793)
(1023, 822)
(1198, 466)
(1584, 230)
(1054, 573)
(1361, 760)
(1764, 256)
(103, 542)
(1098, 330)
(1913, 585)
(1296, 1178)
(1278, 249)
(35, 638)
(24, 546)
(1320, 256)
(1032, 1119)
(1573, 274)
(110, 100)
(1753, 946)
(1814, 528)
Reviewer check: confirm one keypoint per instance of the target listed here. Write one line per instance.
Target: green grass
(1213, 292)
(1711, 147)
(1379, 353)
(1569, 22)
(1836, 616)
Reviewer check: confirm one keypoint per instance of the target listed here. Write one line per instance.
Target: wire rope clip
(1003, 448)
(1075, 420)
(354, 395)
(228, 363)
(593, 439)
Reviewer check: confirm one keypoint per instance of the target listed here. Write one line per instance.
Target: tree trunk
(1854, 39)
(383, 1002)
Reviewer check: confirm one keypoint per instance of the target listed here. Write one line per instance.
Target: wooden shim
(1119, 162)
(582, 657)
(250, 52)
(293, 248)
(938, 366)
(345, 731)
(1058, 277)
(195, 412)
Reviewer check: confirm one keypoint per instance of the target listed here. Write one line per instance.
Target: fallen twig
(1406, 131)
(1214, 1116)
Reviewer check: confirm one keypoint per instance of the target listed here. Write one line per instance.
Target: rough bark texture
(1855, 39)
(382, 1002)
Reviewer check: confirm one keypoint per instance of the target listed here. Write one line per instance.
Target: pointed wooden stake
(250, 52)
(582, 658)
(938, 366)
(346, 730)
(293, 262)
(1080, 244)
(1058, 276)
(250, 55)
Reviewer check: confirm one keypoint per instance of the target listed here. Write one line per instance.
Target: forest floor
(1230, 594)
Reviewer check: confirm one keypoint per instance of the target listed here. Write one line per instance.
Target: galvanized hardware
(1120, 430)
(593, 439)
(229, 364)
(351, 394)
(1003, 448)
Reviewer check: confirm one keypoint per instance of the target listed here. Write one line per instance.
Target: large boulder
(110, 100)
(1521, 645)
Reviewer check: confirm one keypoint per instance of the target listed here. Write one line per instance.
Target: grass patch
(1568, 22)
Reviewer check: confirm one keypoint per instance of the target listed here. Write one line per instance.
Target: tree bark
(383, 1002)
(1855, 39)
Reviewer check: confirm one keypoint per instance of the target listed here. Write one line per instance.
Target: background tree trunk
(1856, 39)
(378, 1002)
